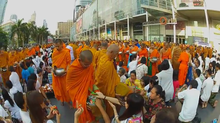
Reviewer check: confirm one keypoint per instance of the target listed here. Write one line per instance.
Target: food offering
(48, 88)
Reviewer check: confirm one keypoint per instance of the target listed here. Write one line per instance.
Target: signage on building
(179, 26)
(160, 21)
(79, 25)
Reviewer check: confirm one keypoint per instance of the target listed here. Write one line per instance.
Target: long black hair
(135, 105)
(7, 97)
(159, 91)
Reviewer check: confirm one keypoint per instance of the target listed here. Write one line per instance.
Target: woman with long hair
(134, 103)
(11, 106)
(155, 103)
(35, 102)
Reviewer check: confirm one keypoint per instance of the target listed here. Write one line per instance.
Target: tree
(43, 33)
(3, 39)
(19, 29)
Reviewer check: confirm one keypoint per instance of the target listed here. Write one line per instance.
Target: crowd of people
(110, 81)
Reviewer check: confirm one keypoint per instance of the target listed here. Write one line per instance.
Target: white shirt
(141, 70)
(14, 78)
(190, 104)
(199, 84)
(3, 113)
(38, 84)
(132, 66)
(201, 61)
(71, 52)
(207, 61)
(12, 91)
(123, 78)
(166, 82)
(14, 110)
(215, 88)
(38, 60)
(212, 59)
(207, 89)
(25, 116)
(34, 67)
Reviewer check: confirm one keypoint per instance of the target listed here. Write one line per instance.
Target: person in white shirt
(142, 69)
(71, 52)
(215, 88)
(207, 89)
(14, 78)
(10, 105)
(196, 74)
(207, 61)
(121, 73)
(39, 78)
(166, 79)
(20, 100)
(213, 59)
(133, 64)
(197, 66)
(12, 89)
(190, 103)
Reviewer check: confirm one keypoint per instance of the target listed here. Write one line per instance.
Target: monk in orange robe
(126, 53)
(94, 50)
(106, 76)
(32, 52)
(133, 48)
(74, 46)
(210, 52)
(61, 59)
(80, 78)
(175, 54)
(165, 52)
(4, 65)
(78, 50)
(183, 69)
(143, 51)
(153, 53)
(99, 54)
(121, 50)
(86, 46)
(13, 58)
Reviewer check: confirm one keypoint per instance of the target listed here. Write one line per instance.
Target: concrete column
(174, 25)
(128, 27)
(132, 31)
(207, 21)
(105, 30)
(146, 30)
(115, 33)
(99, 32)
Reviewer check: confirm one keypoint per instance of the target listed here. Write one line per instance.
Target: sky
(52, 11)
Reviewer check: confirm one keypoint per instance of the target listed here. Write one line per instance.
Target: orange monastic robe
(98, 56)
(85, 47)
(210, 53)
(120, 55)
(78, 82)
(134, 49)
(32, 52)
(156, 54)
(93, 50)
(183, 69)
(126, 55)
(4, 64)
(78, 51)
(37, 48)
(12, 59)
(106, 78)
(74, 46)
(166, 54)
(143, 53)
(61, 59)
(175, 56)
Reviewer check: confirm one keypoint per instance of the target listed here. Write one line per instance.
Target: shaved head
(86, 55)
(113, 48)
(85, 58)
(104, 44)
(112, 51)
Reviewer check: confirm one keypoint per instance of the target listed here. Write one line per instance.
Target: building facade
(3, 4)
(63, 31)
(14, 17)
(33, 18)
(45, 23)
(179, 21)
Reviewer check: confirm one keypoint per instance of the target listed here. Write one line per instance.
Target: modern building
(33, 18)
(14, 18)
(79, 7)
(63, 31)
(45, 23)
(181, 21)
(3, 4)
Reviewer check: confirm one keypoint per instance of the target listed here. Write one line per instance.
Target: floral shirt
(152, 109)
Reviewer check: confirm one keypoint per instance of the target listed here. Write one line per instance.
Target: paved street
(207, 115)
